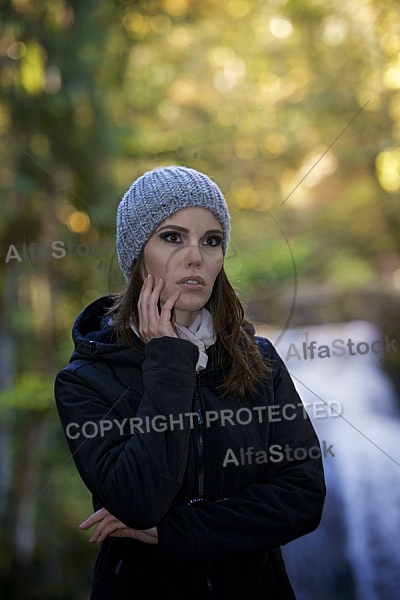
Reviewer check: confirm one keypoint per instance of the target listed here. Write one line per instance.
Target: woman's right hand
(154, 323)
(108, 525)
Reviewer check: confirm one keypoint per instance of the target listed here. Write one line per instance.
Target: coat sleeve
(135, 477)
(287, 505)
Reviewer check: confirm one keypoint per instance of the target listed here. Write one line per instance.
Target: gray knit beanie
(157, 195)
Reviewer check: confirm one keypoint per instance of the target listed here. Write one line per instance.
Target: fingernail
(160, 280)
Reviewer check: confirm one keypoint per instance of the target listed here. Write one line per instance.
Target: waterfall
(355, 552)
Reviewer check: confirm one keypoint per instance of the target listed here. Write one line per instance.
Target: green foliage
(32, 391)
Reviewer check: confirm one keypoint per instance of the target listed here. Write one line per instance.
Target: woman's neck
(185, 317)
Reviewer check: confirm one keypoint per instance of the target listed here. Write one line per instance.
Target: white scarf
(201, 333)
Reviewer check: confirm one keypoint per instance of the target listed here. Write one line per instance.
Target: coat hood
(92, 332)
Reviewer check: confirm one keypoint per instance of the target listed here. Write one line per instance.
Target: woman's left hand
(108, 525)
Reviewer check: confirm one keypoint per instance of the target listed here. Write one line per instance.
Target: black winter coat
(156, 445)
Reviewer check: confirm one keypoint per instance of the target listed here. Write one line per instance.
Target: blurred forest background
(291, 106)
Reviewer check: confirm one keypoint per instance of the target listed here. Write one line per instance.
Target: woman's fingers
(152, 304)
(106, 528)
(108, 525)
(153, 322)
(142, 304)
(94, 518)
(147, 304)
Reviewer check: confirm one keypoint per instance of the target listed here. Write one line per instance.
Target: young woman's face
(187, 245)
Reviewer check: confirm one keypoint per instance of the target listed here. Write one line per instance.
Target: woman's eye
(213, 240)
(172, 237)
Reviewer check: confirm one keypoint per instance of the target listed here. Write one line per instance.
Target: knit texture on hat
(157, 195)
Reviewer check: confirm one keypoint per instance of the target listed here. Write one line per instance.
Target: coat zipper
(200, 489)
(200, 448)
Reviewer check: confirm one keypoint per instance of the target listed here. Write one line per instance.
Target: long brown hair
(236, 347)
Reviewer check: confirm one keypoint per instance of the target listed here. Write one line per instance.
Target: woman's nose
(193, 256)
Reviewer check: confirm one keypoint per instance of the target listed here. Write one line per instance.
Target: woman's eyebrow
(184, 230)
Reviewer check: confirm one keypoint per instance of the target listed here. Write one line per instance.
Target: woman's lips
(197, 287)
(192, 278)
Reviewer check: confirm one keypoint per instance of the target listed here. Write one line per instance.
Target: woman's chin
(188, 302)
(188, 306)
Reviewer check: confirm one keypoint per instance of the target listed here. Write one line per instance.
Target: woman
(183, 424)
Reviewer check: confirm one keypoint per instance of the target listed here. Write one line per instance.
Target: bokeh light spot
(78, 222)
(40, 144)
(388, 170)
(280, 27)
(16, 50)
